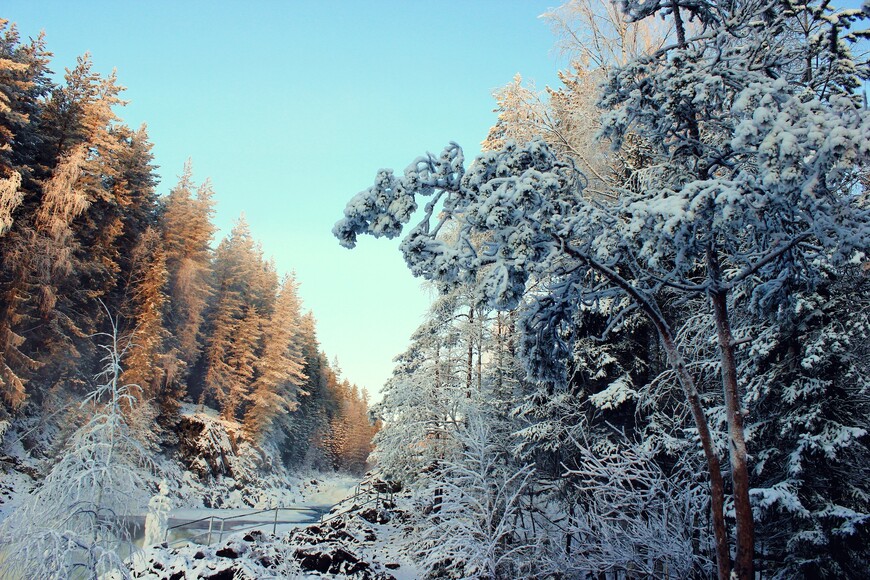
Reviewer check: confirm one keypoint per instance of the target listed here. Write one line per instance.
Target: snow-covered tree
(24, 81)
(39, 262)
(11, 197)
(597, 35)
(244, 296)
(629, 515)
(528, 207)
(187, 234)
(505, 373)
(310, 418)
(62, 251)
(280, 376)
(74, 523)
(144, 311)
(731, 200)
(475, 496)
(568, 122)
(808, 378)
(423, 402)
(520, 112)
(752, 201)
(242, 357)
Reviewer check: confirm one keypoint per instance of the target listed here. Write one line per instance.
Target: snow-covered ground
(256, 506)
(315, 497)
(359, 540)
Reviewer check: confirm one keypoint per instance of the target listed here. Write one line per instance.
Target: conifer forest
(646, 353)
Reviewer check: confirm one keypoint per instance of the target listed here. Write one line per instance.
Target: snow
(304, 500)
(618, 392)
(157, 519)
(373, 538)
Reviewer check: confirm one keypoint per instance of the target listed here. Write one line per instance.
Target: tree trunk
(437, 364)
(479, 338)
(499, 334)
(734, 415)
(717, 483)
(678, 364)
(470, 362)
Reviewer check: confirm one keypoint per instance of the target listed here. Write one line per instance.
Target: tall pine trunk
(734, 417)
(714, 470)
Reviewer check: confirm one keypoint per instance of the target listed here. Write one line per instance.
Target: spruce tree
(280, 377)
(244, 294)
(24, 81)
(187, 234)
(143, 313)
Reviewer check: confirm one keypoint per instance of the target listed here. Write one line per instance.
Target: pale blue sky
(292, 107)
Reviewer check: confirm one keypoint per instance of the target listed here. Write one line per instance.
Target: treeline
(84, 236)
(650, 355)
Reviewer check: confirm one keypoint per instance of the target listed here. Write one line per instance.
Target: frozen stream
(196, 522)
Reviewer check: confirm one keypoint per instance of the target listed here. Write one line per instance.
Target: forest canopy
(654, 303)
(84, 235)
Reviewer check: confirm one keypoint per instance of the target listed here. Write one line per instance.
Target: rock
(323, 563)
(358, 568)
(225, 574)
(227, 553)
(392, 565)
(342, 536)
(198, 556)
(341, 555)
(374, 516)
(386, 486)
(337, 524)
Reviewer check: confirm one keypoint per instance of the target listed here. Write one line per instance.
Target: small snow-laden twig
(632, 517)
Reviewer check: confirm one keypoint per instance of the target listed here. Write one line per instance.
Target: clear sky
(291, 108)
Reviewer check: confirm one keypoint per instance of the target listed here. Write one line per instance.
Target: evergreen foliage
(81, 224)
(672, 298)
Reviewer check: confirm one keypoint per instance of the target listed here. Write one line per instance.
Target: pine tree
(51, 258)
(243, 356)
(39, 253)
(24, 81)
(43, 261)
(301, 425)
(424, 401)
(187, 234)
(351, 430)
(126, 207)
(809, 374)
(280, 377)
(520, 115)
(143, 312)
(79, 111)
(245, 293)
